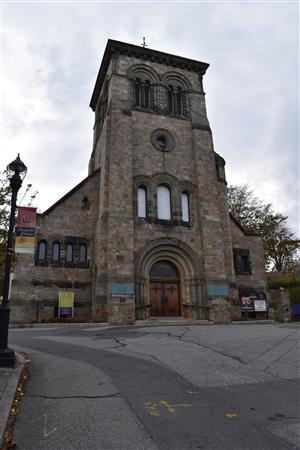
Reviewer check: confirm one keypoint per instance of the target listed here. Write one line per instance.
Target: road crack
(235, 358)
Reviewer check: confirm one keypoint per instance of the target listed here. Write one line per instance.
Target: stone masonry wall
(41, 283)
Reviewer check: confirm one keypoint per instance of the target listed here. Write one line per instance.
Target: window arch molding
(177, 80)
(143, 72)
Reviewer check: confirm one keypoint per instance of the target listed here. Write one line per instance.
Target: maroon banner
(26, 217)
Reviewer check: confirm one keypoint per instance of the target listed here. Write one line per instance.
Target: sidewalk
(9, 380)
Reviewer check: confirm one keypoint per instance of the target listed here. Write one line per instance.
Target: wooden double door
(164, 298)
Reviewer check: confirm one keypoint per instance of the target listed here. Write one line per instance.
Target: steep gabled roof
(246, 233)
(68, 194)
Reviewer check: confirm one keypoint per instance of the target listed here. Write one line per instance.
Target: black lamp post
(16, 173)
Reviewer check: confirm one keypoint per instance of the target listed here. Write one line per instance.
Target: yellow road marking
(192, 392)
(231, 415)
(151, 408)
(172, 407)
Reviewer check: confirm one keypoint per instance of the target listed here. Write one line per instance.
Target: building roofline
(122, 48)
(246, 233)
(68, 194)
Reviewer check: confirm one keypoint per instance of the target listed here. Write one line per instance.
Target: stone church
(147, 233)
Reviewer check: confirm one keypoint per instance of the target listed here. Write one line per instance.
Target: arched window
(82, 253)
(56, 252)
(176, 101)
(185, 206)
(142, 202)
(69, 253)
(142, 93)
(163, 203)
(42, 249)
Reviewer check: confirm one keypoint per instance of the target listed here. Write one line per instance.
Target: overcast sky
(50, 56)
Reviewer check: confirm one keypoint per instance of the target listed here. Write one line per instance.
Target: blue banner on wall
(217, 290)
(121, 288)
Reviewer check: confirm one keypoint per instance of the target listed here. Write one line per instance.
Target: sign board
(260, 305)
(247, 304)
(217, 290)
(26, 217)
(121, 288)
(66, 304)
(25, 230)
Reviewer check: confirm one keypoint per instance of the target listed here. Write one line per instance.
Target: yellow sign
(66, 299)
(65, 304)
(24, 244)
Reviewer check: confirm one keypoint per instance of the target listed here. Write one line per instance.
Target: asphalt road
(168, 387)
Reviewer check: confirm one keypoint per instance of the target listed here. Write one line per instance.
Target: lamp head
(17, 167)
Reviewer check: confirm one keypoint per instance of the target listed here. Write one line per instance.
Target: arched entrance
(188, 277)
(164, 290)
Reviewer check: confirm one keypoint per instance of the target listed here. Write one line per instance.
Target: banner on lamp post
(25, 230)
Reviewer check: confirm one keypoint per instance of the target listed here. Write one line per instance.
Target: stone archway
(190, 271)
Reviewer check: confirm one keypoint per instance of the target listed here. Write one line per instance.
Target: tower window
(185, 207)
(142, 93)
(176, 101)
(142, 202)
(163, 203)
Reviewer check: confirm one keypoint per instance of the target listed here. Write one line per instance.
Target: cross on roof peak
(144, 43)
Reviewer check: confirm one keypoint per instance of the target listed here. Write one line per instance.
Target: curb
(6, 400)
(139, 323)
(254, 322)
(57, 325)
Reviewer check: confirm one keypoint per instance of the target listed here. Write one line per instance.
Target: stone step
(171, 321)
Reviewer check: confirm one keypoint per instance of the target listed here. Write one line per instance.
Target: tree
(280, 243)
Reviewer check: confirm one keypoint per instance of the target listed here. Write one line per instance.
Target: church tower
(162, 239)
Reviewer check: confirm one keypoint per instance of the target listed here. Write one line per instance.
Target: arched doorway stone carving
(190, 271)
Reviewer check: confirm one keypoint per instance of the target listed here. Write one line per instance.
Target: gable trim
(68, 194)
(246, 233)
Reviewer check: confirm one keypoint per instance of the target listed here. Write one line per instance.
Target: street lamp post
(16, 172)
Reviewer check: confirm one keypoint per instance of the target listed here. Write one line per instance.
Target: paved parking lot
(161, 387)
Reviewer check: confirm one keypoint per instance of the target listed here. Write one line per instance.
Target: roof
(68, 194)
(237, 223)
(122, 48)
